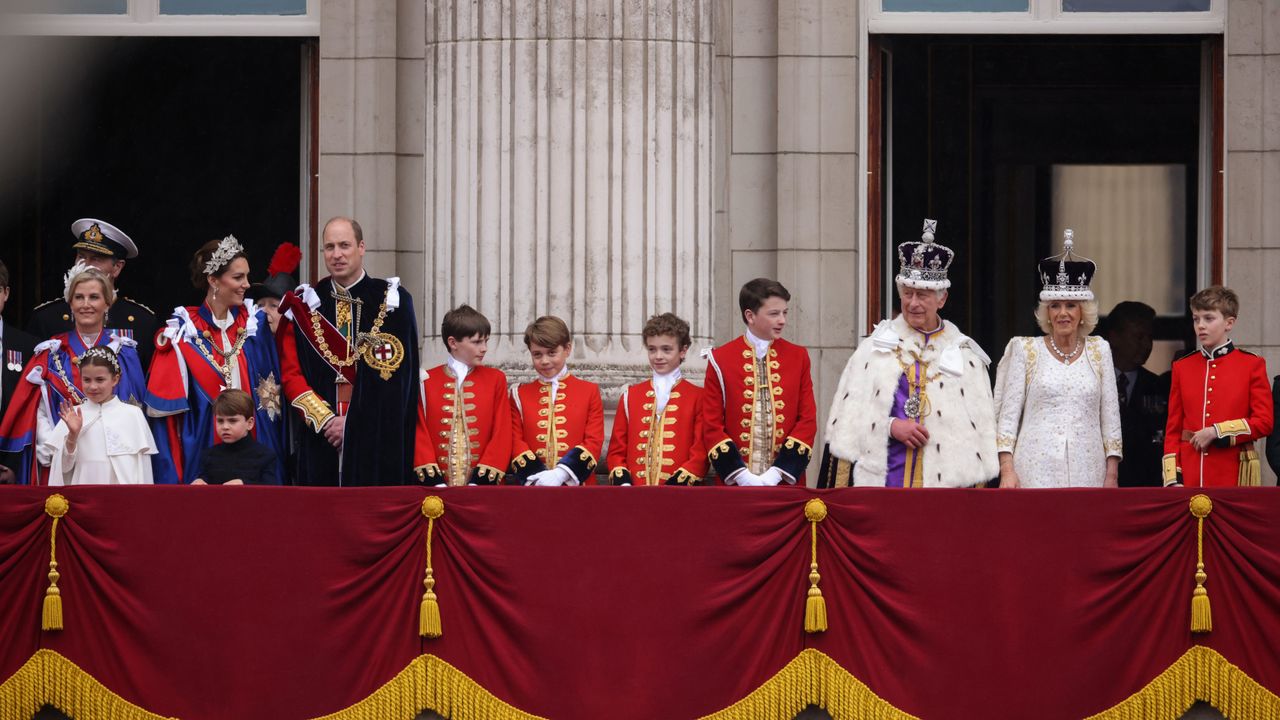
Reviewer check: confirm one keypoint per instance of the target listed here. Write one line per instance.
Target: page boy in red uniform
(758, 408)
(558, 419)
(1219, 402)
(464, 419)
(657, 433)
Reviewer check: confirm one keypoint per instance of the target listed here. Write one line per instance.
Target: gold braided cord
(1200, 674)
(429, 683)
(48, 678)
(812, 678)
(1201, 612)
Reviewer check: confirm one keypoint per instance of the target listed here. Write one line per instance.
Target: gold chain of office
(361, 338)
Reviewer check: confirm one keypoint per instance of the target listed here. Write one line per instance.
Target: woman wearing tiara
(51, 379)
(225, 342)
(1057, 409)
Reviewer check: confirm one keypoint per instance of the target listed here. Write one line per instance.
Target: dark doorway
(175, 140)
(1007, 140)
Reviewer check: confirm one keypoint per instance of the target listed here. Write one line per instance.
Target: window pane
(233, 7)
(1131, 220)
(1135, 5)
(954, 5)
(76, 7)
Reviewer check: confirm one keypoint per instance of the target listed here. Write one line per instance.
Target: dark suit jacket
(17, 350)
(1142, 423)
(1273, 440)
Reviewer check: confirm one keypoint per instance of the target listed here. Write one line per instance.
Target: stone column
(568, 171)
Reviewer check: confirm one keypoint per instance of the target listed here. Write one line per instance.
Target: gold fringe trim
(1200, 674)
(812, 678)
(429, 683)
(48, 678)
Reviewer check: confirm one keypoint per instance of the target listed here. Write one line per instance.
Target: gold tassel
(1250, 474)
(1201, 614)
(55, 506)
(815, 606)
(429, 609)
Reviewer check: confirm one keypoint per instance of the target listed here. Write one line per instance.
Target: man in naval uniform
(914, 405)
(106, 247)
(349, 366)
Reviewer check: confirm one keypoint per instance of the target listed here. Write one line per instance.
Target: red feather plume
(284, 260)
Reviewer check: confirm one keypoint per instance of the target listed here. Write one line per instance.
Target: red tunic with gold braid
(656, 448)
(463, 438)
(1228, 390)
(730, 408)
(569, 432)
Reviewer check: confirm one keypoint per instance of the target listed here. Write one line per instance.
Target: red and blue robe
(52, 378)
(184, 382)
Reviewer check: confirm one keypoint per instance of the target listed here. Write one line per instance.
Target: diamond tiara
(227, 249)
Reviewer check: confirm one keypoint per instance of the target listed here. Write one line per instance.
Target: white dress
(1060, 421)
(114, 447)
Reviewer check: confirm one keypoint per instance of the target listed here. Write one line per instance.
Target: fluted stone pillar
(568, 171)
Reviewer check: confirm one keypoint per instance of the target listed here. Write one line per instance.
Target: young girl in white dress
(102, 441)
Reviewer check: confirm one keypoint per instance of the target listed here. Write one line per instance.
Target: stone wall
(1253, 174)
(786, 134)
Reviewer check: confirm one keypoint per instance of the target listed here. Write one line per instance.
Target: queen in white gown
(1057, 406)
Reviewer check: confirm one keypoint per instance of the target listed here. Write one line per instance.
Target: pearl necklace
(1053, 345)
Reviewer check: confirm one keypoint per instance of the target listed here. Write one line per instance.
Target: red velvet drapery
(636, 602)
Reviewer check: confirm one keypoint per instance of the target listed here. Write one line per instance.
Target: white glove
(554, 477)
(771, 477)
(569, 477)
(747, 479)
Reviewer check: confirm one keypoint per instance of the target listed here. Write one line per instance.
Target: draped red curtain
(636, 602)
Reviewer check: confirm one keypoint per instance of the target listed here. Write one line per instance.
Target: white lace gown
(1060, 421)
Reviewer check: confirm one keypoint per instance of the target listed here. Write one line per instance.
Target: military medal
(382, 352)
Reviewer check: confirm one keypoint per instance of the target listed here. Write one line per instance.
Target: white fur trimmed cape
(962, 427)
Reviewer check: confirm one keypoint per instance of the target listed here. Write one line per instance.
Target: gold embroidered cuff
(315, 411)
(1005, 443)
(799, 446)
(683, 477)
(1232, 428)
(1169, 468)
(430, 471)
(588, 458)
(489, 474)
(722, 447)
(1113, 447)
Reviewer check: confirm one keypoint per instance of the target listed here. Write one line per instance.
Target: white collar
(348, 288)
(662, 387)
(459, 368)
(224, 323)
(667, 381)
(558, 376)
(761, 346)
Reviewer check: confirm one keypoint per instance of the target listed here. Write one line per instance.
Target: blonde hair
(1088, 316)
(92, 273)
